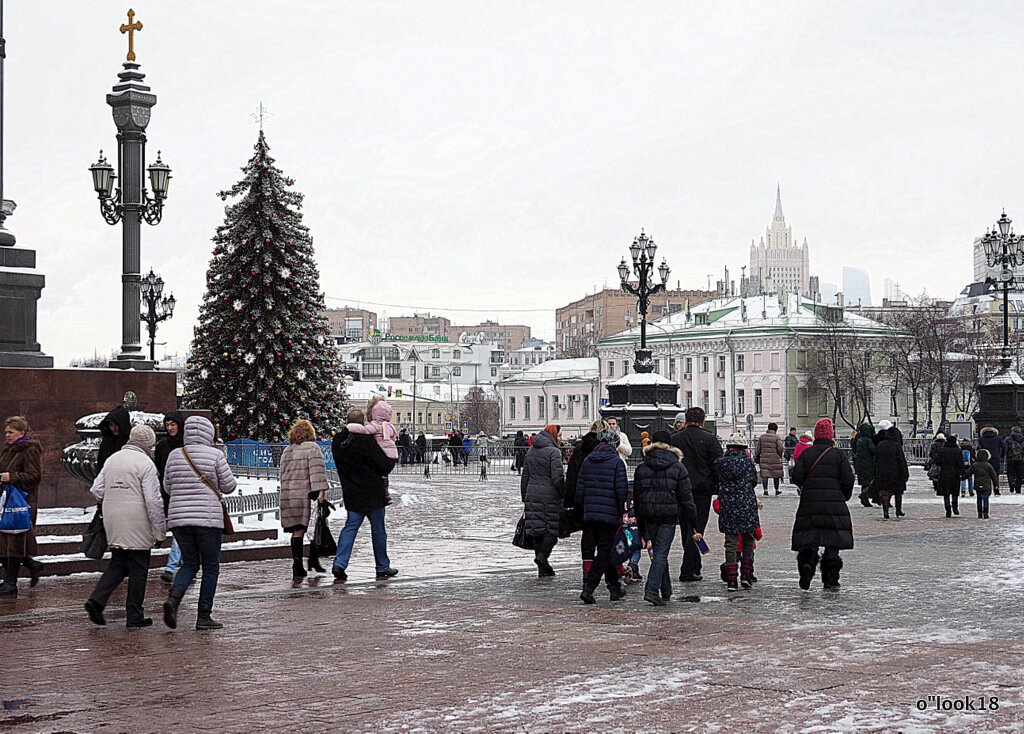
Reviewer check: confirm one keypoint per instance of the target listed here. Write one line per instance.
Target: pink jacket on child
(380, 428)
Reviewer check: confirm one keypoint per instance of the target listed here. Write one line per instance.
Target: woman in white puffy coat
(194, 516)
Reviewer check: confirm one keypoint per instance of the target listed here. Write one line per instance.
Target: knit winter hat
(680, 418)
(808, 434)
(609, 437)
(737, 439)
(144, 435)
(662, 437)
(823, 429)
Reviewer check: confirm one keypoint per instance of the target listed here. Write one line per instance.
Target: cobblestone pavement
(467, 639)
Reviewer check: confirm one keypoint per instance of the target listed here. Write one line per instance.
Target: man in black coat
(174, 423)
(700, 449)
(421, 448)
(114, 430)
(362, 465)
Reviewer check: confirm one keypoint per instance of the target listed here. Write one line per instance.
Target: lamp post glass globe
(159, 177)
(634, 250)
(663, 270)
(1004, 224)
(623, 271)
(102, 177)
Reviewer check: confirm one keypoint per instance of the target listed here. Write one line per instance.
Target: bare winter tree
(480, 412)
(828, 365)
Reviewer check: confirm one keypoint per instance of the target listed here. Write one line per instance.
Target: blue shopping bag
(15, 514)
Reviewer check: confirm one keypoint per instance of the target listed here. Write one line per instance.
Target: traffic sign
(448, 426)
(398, 392)
(465, 426)
(959, 417)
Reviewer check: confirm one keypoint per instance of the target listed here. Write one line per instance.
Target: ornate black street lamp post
(158, 308)
(1003, 250)
(642, 251)
(130, 203)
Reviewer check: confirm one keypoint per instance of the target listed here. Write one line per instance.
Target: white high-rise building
(776, 263)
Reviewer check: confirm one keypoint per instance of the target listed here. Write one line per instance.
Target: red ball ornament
(223, 198)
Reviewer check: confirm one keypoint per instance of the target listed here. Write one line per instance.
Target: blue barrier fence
(244, 452)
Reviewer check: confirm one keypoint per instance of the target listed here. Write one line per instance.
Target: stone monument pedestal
(643, 401)
(20, 287)
(53, 399)
(1001, 402)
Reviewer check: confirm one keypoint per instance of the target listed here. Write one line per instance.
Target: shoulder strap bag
(822, 454)
(229, 528)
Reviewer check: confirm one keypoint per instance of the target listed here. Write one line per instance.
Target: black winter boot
(203, 619)
(587, 595)
(725, 578)
(95, 611)
(314, 562)
(171, 606)
(830, 568)
(35, 570)
(616, 592)
(806, 564)
(298, 571)
(10, 585)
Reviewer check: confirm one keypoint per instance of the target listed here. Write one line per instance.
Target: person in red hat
(822, 519)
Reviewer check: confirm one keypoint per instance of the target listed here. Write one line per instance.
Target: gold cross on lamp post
(132, 26)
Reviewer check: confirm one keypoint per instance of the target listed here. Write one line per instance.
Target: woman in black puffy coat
(951, 468)
(601, 489)
(543, 489)
(822, 519)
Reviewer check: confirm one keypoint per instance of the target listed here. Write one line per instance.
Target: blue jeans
(658, 576)
(174, 557)
(199, 546)
(967, 485)
(983, 500)
(378, 536)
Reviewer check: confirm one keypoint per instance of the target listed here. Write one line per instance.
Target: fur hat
(737, 439)
(984, 455)
(144, 435)
(609, 437)
(824, 429)
(940, 436)
(884, 425)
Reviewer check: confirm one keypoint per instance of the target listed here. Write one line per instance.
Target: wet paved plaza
(925, 635)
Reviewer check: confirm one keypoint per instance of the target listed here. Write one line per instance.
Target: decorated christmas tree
(263, 356)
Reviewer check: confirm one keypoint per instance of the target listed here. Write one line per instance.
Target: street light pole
(158, 308)
(130, 204)
(1003, 250)
(642, 252)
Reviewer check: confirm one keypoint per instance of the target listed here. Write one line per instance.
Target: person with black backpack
(1013, 451)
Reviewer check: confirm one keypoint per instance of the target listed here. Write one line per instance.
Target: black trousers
(691, 554)
(1014, 475)
(543, 546)
(601, 536)
(133, 564)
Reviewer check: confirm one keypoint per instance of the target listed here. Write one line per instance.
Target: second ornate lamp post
(642, 251)
(158, 308)
(129, 203)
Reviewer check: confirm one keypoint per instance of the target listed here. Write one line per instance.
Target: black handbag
(520, 539)
(94, 539)
(323, 543)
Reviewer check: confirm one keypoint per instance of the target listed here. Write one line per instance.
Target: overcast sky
(502, 155)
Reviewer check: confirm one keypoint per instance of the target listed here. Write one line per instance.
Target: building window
(741, 403)
(721, 402)
(704, 364)
(776, 402)
(757, 362)
(419, 417)
(689, 366)
(721, 363)
(373, 370)
(554, 407)
(611, 368)
(705, 400)
(586, 406)
(801, 359)
(435, 371)
(689, 398)
(494, 371)
(526, 408)
(841, 400)
(758, 401)
(741, 362)
(625, 367)
(569, 403)
(456, 371)
(435, 354)
(393, 370)
(775, 361)
(671, 368)
(540, 407)
(456, 354)
(512, 408)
